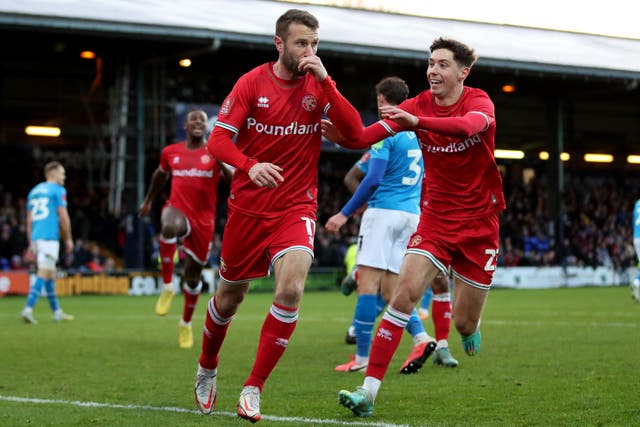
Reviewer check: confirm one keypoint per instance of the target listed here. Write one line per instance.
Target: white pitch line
(298, 420)
(338, 319)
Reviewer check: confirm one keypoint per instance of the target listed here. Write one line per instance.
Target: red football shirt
(275, 121)
(462, 180)
(194, 183)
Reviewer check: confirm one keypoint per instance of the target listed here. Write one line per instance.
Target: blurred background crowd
(596, 222)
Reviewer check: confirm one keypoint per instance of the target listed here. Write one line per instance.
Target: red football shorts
(197, 241)
(470, 247)
(251, 244)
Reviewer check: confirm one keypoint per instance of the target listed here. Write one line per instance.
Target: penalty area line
(298, 420)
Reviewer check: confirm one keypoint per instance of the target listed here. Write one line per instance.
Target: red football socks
(167, 250)
(215, 331)
(274, 338)
(441, 315)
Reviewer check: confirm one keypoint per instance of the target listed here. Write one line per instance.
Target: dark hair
(394, 89)
(51, 166)
(462, 54)
(195, 110)
(295, 16)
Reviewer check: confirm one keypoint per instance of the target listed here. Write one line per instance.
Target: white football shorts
(47, 252)
(383, 239)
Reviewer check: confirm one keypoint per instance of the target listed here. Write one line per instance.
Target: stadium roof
(342, 30)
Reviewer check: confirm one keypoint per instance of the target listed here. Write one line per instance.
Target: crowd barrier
(137, 283)
(14, 282)
(558, 277)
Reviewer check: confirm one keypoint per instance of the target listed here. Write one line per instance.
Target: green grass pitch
(561, 357)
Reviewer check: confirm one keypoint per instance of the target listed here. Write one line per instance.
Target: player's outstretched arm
(360, 196)
(463, 127)
(398, 115)
(331, 132)
(342, 113)
(370, 135)
(334, 223)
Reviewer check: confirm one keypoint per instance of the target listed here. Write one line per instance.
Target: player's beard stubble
(291, 63)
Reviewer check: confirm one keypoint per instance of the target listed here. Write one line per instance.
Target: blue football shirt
(43, 202)
(401, 184)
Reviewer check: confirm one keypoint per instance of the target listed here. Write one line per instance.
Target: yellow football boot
(185, 336)
(164, 302)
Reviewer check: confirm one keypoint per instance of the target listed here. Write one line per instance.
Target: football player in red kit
(188, 217)
(274, 112)
(461, 201)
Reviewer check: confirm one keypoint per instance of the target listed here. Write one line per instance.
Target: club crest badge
(415, 241)
(309, 103)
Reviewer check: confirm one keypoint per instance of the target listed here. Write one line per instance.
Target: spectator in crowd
(509, 255)
(8, 211)
(613, 230)
(81, 255)
(97, 262)
(11, 246)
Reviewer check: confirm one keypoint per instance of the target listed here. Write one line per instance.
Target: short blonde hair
(51, 166)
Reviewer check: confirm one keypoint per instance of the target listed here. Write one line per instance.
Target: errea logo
(385, 334)
(263, 102)
(176, 160)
